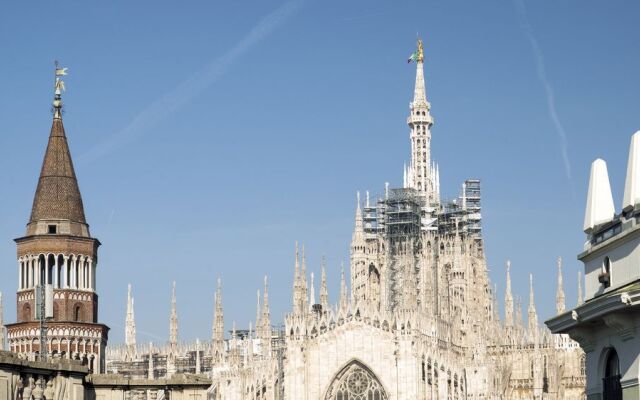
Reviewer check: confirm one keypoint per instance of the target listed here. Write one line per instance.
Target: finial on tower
(418, 55)
(59, 88)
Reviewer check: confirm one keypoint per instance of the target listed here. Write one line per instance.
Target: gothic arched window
(356, 382)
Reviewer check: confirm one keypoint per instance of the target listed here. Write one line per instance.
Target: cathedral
(418, 320)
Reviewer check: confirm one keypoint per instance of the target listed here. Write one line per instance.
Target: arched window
(77, 312)
(611, 380)
(356, 382)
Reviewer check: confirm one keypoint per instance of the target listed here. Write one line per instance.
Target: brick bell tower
(59, 253)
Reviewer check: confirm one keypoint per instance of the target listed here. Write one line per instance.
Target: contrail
(196, 84)
(542, 76)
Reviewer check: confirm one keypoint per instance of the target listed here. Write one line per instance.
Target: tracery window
(356, 382)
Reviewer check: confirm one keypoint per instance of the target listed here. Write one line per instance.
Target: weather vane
(59, 88)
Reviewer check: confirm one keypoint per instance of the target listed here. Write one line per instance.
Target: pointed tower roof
(632, 183)
(57, 198)
(560, 304)
(600, 207)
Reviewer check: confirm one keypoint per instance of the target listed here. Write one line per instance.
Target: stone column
(91, 274)
(30, 272)
(65, 281)
(46, 271)
(20, 268)
(56, 277)
(74, 273)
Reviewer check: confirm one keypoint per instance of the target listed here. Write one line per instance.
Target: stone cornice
(604, 309)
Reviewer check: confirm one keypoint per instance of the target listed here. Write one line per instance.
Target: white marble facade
(420, 320)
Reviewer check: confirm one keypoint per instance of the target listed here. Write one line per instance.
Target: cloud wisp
(548, 89)
(174, 99)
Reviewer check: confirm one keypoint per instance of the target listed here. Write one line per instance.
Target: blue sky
(209, 136)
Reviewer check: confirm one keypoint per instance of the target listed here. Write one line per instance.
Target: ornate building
(420, 322)
(57, 261)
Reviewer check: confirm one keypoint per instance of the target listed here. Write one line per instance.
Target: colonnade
(62, 271)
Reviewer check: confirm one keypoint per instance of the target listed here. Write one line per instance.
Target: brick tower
(58, 253)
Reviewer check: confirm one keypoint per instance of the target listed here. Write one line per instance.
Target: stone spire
(173, 320)
(265, 320)
(150, 369)
(266, 316)
(508, 299)
(324, 292)
(560, 304)
(297, 299)
(303, 283)
(533, 316)
(358, 230)
(57, 200)
(218, 325)
(3, 338)
(419, 174)
(312, 295)
(343, 289)
(130, 328)
(580, 297)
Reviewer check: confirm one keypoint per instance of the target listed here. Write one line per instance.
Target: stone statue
(38, 391)
(48, 391)
(26, 393)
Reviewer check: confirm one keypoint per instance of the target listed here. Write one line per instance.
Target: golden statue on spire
(418, 55)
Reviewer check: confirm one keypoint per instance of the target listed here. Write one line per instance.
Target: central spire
(420, 174)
